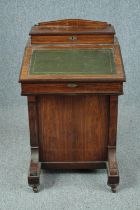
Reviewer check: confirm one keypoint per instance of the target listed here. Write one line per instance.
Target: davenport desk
(72, 74)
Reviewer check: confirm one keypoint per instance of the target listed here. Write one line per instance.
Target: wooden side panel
(90, 39)
(113, 120)
(33, 121)
(35, 166)
(112, 166)
(68, 88)
(73, 128)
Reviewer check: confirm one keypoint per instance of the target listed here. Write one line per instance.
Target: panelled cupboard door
(73, 128)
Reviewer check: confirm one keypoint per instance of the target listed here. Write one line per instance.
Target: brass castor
(35, 189)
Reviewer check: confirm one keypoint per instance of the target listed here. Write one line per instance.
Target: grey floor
(67, 190)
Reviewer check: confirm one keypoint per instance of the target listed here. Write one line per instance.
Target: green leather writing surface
(72, 61)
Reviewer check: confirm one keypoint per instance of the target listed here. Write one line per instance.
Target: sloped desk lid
(72, 61)
(96, 57)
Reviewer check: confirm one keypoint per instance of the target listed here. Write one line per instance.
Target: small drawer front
(76, 39)
(73, 88)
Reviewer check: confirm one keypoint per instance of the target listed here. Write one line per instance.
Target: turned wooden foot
(35, 188)
(113, 182)
(34, 170)
(113, 188)
(112, 169)
(34, 176)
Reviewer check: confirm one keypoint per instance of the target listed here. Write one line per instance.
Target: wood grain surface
(73, 88)
(73, 128)
(73, 117)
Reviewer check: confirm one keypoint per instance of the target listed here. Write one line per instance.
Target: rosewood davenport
(72, 74)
